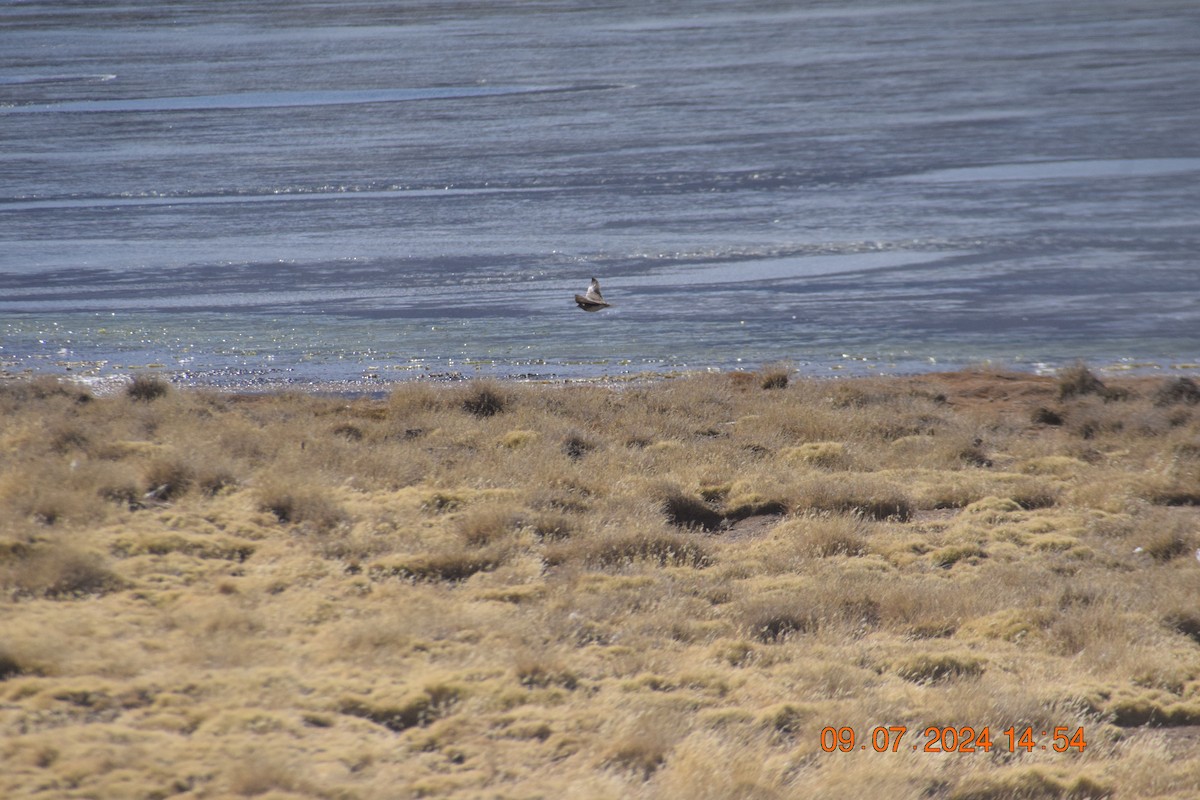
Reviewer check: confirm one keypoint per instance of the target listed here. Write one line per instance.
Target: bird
(593, 300)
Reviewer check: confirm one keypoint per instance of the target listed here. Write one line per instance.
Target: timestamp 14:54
(950, 739)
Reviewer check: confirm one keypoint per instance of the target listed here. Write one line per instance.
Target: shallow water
(244, 195)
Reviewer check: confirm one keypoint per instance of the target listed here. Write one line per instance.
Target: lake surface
(252, 194)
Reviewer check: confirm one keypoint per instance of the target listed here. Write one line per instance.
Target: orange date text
(950, 739)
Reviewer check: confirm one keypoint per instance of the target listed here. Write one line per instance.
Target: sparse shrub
(145, 387)
(484, 398)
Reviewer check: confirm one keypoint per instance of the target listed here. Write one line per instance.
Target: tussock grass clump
(485, 398)
(10, 664)
(541, 670)
(66, 437)
(860, 494)
(257, 776)
(416, 709)
(826, 534)
(771, 621)
(645, 746)
(145, 387)
(947, 557)
(348, 431)
(776, 618)
(415, 397)
(826, 455)
(1079, 381)
(519, 438)
(576, 445)
(685, 510)
(937, 667)
(775, 377)
(1154, 709)
(1047, 416)
(58, 570)
(1168, 542)
(488, 525)
(1184, 621)
(1031, 783)
(168, 478)
(449, 566)
(552, 526)
(302, 505)
(617, 550)
(1177, 391)
(741, 506)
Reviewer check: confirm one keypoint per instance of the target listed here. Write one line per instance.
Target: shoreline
(378, 387)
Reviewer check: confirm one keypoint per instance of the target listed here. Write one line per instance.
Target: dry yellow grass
(667, 590)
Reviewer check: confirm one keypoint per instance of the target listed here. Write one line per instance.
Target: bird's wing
(593, 292)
